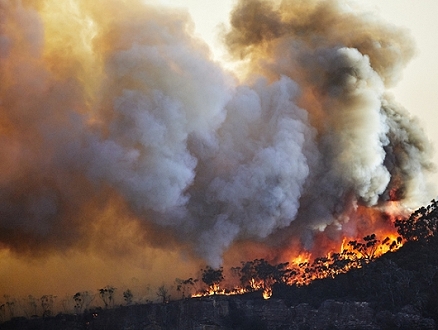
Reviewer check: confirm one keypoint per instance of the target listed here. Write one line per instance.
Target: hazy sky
(116, 240)
(417, 91)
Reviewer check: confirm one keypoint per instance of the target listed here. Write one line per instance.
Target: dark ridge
(396, 291)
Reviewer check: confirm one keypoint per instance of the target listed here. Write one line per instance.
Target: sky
(417, 90)
(121, 203)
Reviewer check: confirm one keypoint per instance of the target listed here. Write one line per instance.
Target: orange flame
(354, 250)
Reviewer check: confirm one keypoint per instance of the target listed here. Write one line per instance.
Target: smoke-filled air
(129, 154)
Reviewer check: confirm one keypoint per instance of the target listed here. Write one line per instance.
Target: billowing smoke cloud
(109, 103)
(370, 149)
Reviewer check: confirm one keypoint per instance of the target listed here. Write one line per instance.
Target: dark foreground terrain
(396, 291)
(234, 313)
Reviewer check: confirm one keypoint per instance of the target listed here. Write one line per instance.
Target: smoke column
(117, 127)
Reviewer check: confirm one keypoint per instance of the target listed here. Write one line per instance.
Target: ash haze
(132, 156)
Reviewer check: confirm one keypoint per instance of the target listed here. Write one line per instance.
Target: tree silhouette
(10, 305)
(47, 304)
(212, 277)
(260, 274)
(107, 295)
(422, 225)
(162, 292)
(30, 306)
(185, 286)
(128, 296)
(82, 301)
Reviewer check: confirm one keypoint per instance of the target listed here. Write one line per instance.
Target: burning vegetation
(260, 275)
(266, 278)
(392, 229)
(125, 147)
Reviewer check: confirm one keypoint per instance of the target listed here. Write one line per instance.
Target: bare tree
(32, 302)
(185, 286)
(162, 292)
(107, 295)
(3, 312)
(128, 296)
(47, 304)
(67, 304)
(28, 305)
(82, 301)
(10, 305)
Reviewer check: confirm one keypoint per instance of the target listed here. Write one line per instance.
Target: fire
(122, 100)
(303, 267)
(267, 293)
(255, 285)
(301, 259)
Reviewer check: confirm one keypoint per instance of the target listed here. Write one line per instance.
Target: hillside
(396, 291)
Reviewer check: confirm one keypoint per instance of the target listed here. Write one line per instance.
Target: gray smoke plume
(101, 101)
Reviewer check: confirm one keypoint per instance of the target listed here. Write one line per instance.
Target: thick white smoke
(260, 166)
(132, 106)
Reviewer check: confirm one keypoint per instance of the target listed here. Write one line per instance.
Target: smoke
(368, 146)
(117, 109)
